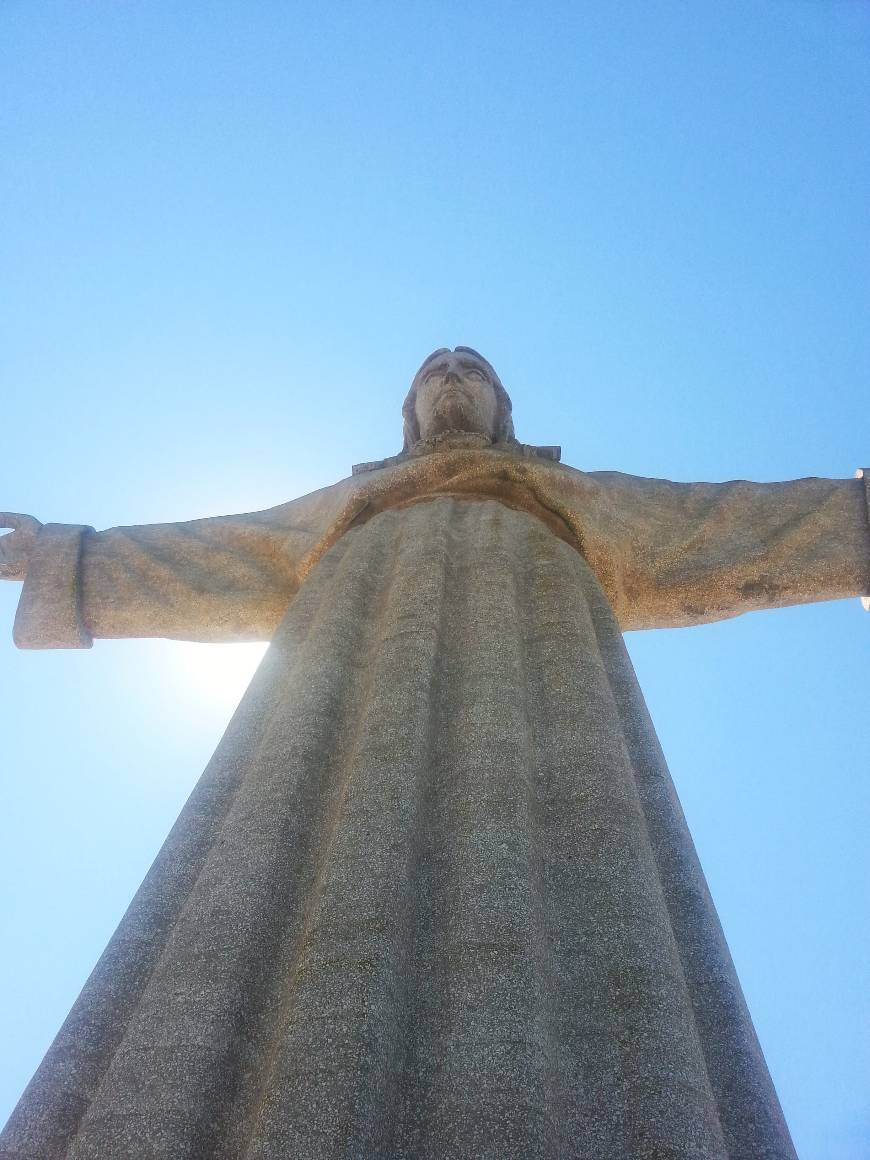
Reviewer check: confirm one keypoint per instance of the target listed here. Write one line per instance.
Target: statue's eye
(473, 374)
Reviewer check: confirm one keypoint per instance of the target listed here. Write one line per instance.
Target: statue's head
(457, 390)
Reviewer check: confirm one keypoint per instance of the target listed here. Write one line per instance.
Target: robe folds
(434, 895)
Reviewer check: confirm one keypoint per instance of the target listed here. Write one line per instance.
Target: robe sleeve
(674, 554)
(229, 578)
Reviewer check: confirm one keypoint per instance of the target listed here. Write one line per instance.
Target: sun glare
(217, 673)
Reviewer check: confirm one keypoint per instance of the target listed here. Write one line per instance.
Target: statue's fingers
(11, 571)
(19, 522)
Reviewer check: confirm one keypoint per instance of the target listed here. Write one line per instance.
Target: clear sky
(231, 232)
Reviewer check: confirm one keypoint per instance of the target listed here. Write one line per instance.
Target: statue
(434, 895)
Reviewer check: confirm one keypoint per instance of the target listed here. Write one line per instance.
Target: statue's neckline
(459, 441)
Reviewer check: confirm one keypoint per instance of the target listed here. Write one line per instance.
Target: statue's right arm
(229, 578)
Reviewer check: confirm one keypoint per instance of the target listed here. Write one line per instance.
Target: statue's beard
(454, 411)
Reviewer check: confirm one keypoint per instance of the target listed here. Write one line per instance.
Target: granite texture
(433, 897)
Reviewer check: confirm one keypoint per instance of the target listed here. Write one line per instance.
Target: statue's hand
(16, 546)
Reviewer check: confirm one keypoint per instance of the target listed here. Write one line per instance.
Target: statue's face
(456, 394)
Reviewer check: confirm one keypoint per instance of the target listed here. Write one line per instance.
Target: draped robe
(434, 895)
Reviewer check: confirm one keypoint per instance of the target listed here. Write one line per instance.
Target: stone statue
(434, 895)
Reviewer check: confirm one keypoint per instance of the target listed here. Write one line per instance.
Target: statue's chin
(451, 415)
(439, 429)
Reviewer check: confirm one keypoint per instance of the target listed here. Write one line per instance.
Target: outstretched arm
(686, 553)
(229, 578)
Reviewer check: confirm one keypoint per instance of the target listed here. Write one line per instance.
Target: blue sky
(230, 233)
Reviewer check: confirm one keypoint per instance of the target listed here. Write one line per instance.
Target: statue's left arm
(673, 554)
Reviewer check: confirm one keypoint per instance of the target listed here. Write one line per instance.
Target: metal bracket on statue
(864, 473)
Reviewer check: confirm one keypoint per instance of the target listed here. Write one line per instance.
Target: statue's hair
(504, 424)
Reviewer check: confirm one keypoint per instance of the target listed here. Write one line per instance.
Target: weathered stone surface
(434, 895)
